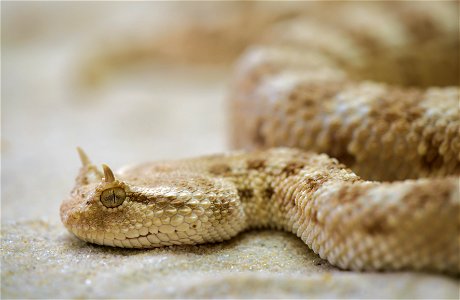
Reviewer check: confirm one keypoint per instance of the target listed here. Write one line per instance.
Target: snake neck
(275, 188)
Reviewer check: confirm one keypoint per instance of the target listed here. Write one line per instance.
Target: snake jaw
(85, 215)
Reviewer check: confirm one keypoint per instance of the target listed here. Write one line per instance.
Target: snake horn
(83, 157)
(108, 174)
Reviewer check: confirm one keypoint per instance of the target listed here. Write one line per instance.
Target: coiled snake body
(286, 95)
(352, 223)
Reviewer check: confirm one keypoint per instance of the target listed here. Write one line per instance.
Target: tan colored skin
(353, 224)
(382, 98)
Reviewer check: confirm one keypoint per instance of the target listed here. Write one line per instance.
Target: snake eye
(113, 197)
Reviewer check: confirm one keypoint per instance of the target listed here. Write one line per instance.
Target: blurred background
(128, 82)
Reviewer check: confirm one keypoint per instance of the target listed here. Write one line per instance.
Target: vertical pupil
(113, 197)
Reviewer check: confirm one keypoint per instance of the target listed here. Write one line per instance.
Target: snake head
(96, 202)
(150, 206)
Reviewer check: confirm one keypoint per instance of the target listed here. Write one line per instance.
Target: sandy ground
(148, 112)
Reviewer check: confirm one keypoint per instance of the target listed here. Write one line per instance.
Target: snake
(365, 173)
(352, 223)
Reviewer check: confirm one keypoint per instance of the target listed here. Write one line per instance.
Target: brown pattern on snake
(255, 164)
(245, 194)
(377, 226)
(292, 168)
(219, 169)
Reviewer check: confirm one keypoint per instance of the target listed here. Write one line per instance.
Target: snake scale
(304, 89)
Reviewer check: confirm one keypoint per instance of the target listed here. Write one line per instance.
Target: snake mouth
(149, 240)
